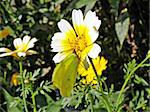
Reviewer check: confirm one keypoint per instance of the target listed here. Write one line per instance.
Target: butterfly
(64, 75)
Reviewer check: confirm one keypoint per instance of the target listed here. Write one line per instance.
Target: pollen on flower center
(80, 45)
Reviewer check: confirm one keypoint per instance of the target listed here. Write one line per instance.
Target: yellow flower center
(80, 45)
(78, 42)
(23, 47)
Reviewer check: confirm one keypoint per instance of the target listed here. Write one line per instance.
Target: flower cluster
(88, 73)
(80, 39)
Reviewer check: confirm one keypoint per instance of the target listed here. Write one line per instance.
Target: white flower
(22, 47)
(78, 39)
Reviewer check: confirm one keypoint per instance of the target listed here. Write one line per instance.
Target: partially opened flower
(78, 39)
(5, 32)
(22, 47)
(89, 74)
(14, 79)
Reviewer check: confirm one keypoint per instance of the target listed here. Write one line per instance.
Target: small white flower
(22, 47)
(78, 39)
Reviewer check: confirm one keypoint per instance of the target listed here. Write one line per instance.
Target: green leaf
(77, 4)
(64, 75)
(53, 108)
(122, 30)
(139, 80)
(81, 3)
(90, 5)
(10, 99)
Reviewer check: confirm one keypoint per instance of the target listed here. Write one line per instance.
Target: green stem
(126, 81)
(95, 71)
(23, 86)
(105, 86)
(33, 101)
(91, 103)
(105, 100)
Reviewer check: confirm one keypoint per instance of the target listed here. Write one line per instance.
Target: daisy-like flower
(78, 39)
(22, 47)
(89, 74)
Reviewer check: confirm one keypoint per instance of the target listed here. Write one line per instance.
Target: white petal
(77, 19)
(60, 56)
(4, 49)
(17, 43)
(91, 20)
(58, 36)
(56, 46)
(26, 39)
(7, 51)
(6, 54)
(21, 54)
(92, 23)
(95, 50)
(64, 26)
(59, 48)
(31, 43)
(30, 52)
(59, 43)
(93, 35)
